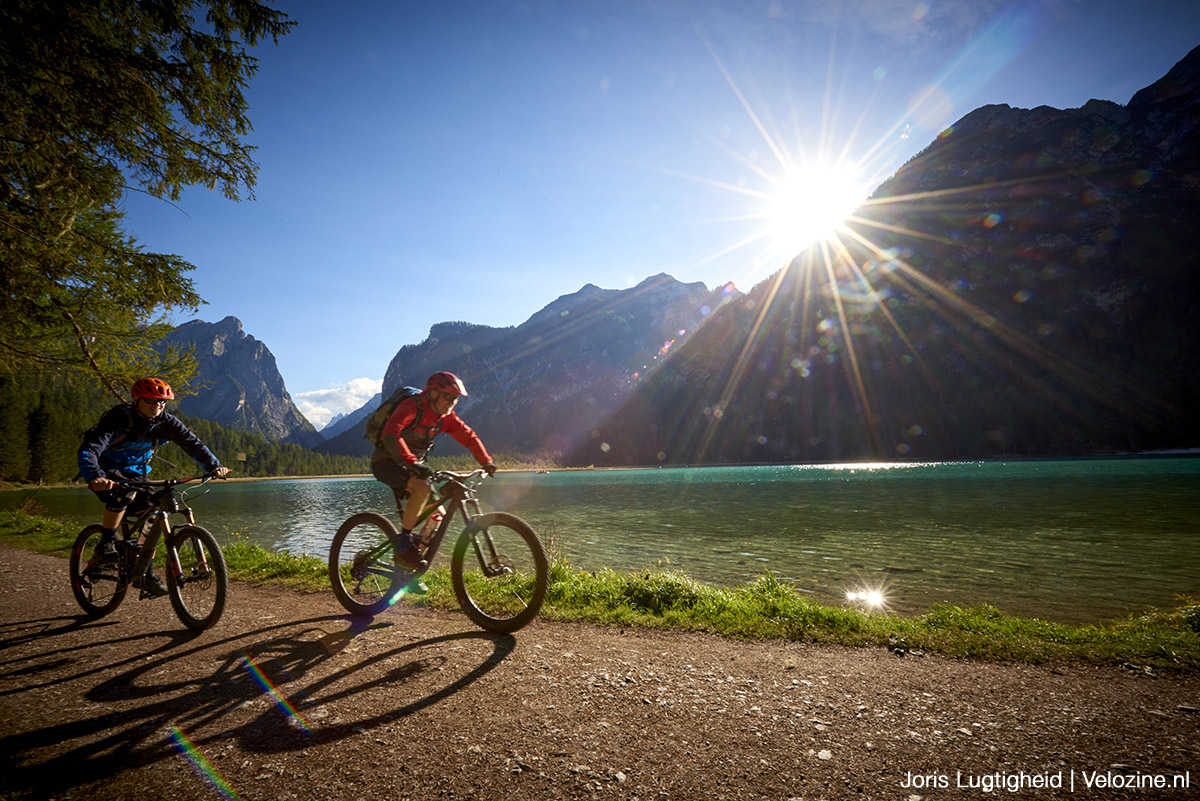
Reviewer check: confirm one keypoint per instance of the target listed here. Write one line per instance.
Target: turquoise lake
(1066, 540)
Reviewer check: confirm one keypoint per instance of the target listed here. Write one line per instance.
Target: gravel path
(288, 698)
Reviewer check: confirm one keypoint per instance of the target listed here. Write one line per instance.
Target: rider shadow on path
(279, 729)
(35, 630)
(177, 707)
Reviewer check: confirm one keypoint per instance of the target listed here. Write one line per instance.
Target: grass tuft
(767, 608)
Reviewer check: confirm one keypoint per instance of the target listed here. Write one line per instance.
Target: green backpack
(373, 429)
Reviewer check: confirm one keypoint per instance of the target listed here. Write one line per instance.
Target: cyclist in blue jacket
(121, 445)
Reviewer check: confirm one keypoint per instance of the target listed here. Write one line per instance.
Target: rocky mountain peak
(537, 386)
(240, 384)
(1179, 84)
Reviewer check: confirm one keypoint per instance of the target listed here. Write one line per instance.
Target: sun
(810, 203)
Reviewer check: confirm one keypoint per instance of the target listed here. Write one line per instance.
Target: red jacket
(394, 435)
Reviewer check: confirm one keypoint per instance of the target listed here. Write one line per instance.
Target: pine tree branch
(101, 376)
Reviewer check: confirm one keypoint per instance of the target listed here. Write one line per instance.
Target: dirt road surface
(289, 698)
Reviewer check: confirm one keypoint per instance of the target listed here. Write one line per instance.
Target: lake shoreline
(1174, 453)
(1066, 540)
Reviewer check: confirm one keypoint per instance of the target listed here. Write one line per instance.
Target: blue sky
(424, 162)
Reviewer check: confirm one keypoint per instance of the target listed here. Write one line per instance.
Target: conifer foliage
(43, 419)
(96, 99)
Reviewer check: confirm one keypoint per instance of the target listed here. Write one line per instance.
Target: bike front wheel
(362, 564)
(500, 572)
(197, 581)
(96, 582)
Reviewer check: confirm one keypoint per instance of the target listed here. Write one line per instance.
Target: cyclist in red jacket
(399, 459)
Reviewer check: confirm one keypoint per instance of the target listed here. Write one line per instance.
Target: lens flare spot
(992, 220)
(281, 700)
(872, 599)
(207, 771)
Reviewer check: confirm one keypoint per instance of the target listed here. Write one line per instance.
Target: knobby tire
(199, 592)
(365, 586)
(97, 585)
(511, 598)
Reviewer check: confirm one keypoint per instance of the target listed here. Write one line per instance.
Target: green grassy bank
(765, 609)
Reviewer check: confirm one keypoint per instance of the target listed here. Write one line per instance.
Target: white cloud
(321, 405)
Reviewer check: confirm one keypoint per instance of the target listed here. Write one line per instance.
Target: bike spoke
(362, 565)
(95, 582)
(197, 581)
(500, 573)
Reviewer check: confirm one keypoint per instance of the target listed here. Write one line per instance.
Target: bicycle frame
(154, 525)
(497, 566)
(456, 497)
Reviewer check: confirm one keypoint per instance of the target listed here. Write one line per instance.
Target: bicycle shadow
(284, 728)
(169, 711)
(29, 632)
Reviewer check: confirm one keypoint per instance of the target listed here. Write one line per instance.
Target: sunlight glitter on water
(1069, 540)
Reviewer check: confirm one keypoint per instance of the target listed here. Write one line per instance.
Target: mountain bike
(197, 581)
(498, 567)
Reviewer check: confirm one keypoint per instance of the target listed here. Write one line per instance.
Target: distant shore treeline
(43, 419)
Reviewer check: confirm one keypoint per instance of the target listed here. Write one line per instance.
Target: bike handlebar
(166, 482)
(447, 475)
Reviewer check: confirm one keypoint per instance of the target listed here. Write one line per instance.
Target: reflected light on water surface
(872, 599)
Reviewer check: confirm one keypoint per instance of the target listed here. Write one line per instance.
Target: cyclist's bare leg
(418, 495)
(112, 520)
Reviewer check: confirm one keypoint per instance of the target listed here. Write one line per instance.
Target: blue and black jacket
(124, 440)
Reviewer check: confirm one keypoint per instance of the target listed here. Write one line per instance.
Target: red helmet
(446, 382)
(152, 388)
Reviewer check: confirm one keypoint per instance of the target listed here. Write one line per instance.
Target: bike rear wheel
(362, 565)
(96, 582)
(199, 590)
(500, 572)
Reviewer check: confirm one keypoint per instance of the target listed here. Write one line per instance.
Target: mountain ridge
(1025, 285)
(576, 357)
(1022, 286)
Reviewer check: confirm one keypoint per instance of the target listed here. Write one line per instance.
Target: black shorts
(122, 499)
(395, 475)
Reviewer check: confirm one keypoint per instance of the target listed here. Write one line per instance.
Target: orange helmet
(152, 388)
(446, 382)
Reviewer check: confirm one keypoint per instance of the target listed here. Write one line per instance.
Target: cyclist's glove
(490, 469)
(421, 471)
